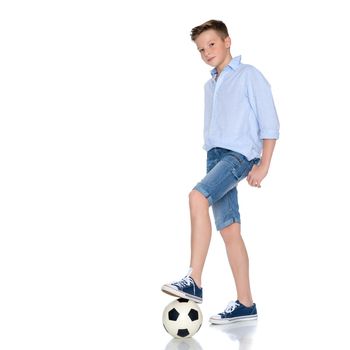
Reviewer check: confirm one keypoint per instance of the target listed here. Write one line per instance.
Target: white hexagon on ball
(182, 318)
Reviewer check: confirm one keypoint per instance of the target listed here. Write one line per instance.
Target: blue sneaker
(185, 288)
(235, 312)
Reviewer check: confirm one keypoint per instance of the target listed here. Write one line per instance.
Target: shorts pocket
(241, 171)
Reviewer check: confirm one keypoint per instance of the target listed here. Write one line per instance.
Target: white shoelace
(186, 280)
(230, 307)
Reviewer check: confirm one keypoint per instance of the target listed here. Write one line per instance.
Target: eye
(211, 44)
(201, 50)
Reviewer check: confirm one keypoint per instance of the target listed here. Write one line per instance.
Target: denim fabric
(225, 168)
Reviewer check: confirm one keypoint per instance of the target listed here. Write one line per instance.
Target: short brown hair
(218, 26)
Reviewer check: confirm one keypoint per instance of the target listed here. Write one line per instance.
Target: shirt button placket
(217, 84)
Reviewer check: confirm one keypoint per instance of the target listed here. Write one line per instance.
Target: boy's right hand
(256, 175)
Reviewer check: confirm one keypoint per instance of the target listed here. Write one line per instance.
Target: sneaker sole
(178, 293)
(233, 319)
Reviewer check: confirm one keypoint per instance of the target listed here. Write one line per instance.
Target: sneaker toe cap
(169, 286)
(216, 317)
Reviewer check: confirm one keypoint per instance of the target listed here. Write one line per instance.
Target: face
(214, 50)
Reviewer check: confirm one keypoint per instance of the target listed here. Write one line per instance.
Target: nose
(206, 52)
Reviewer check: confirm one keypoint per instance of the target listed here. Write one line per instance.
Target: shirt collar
(234, 63)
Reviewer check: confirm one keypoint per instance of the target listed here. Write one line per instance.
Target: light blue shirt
(239, 110)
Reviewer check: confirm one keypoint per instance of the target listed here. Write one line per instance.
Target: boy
(240, 131)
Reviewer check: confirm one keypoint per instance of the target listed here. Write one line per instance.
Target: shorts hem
(205, 193)
(229, 222)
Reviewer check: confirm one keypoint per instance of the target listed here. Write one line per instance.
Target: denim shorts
(225, 169)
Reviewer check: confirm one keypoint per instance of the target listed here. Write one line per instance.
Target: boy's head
(218, 26)
(213, 43)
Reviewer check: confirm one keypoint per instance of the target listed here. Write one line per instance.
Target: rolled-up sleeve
(261, 101)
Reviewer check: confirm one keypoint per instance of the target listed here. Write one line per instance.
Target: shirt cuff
(269, 134)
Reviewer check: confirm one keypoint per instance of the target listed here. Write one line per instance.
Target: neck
(227, 60)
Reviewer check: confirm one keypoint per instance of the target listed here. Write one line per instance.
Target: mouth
(210, 59)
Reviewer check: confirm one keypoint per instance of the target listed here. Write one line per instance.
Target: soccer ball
(182, 318)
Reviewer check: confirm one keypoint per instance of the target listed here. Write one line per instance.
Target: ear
(227, 42)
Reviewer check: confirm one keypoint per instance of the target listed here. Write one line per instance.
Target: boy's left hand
(256, 175)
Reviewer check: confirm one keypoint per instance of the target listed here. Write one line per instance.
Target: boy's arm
(258, 172)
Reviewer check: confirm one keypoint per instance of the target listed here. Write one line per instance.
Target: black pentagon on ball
(183, 333)
(173, 314)
(193, 315)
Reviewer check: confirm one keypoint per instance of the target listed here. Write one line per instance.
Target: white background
(100, 144)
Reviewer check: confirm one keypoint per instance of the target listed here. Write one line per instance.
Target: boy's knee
(231, 234)
(197, 198)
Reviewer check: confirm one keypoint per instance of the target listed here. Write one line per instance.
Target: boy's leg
(225, 169)
(239, 262)
(190, 286)
(200, 233)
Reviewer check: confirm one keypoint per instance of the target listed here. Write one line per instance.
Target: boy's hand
(256, 175)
